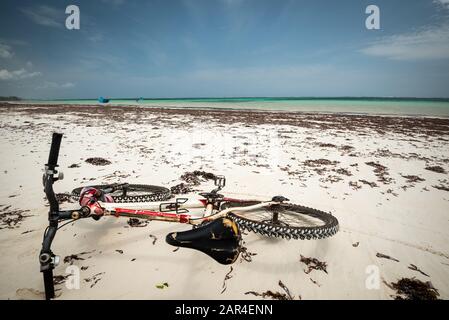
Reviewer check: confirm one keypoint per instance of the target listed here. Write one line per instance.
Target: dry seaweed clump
(181, 188)
(134, 222)
(194, 178)
(371, 184)
(344, 172)
(381, 172)
(436, 169)
(327, 145)
(413, 179)
(320, 166)
(275, 295)
(319, 162)
(11, 218)
(414, 289)
(97, 161)
(313, 264)
(442, 187)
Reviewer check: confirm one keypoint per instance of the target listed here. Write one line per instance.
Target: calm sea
(383, 106)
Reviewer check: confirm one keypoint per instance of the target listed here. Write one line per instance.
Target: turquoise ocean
(380, 106)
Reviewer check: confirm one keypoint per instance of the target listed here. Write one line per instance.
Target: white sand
(411, 227)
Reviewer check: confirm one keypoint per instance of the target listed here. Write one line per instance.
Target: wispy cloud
(17, 74)
(427, 44)
(55, 85)
(5, 51)
(444, 3)
(45, 16)
(96, 37)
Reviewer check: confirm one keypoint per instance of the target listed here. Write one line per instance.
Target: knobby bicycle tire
(135, 193)
(280, 229)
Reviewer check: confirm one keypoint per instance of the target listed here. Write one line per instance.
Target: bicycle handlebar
(46, 257)
(54, 150)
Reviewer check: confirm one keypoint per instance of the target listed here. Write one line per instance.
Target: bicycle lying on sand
(216, 219)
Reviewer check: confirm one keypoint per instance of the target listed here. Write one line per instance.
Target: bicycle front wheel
(288, 221)
(131, 193)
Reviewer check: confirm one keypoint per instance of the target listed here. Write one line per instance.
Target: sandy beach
(384, 178)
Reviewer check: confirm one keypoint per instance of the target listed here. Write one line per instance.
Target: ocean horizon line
(249, 98)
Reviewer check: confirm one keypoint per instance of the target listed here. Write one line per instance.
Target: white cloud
(54, 85)
(15, 42)
(45, 15)
(17, 74)
(427, 44)
(67, 85)
(444, 3)
(5, 51)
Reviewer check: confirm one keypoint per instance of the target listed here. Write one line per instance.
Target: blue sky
(224, 48)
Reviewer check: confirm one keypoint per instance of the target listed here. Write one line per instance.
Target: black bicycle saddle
(219, 239)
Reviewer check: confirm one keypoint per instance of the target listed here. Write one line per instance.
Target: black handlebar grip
(54, 151)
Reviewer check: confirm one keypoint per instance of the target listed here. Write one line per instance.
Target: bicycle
(216, 219)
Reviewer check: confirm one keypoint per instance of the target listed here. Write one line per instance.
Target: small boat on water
(103, 100)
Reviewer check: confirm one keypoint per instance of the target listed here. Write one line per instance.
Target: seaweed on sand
(381, 172)
(275, 295)
(371, 184)
(441, 187)
(313, 264)
(94, 279)
(162, 285)
(436, 169)
(181, 188)
(194, 178)
(384, 256)
(246, 255)
(97, 161)
(344, 172)
(154, 239)
(414, 289)
(319, 162)
(11, 218)
(415, 268)
(71, 258)
(326, 145)
(412, 178)
(346, 148)
(226, 278)
(60, 279)
(135, 222)
(355, 185)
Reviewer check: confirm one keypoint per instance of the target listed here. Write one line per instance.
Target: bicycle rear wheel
(132, 192)
(285, 220)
